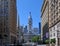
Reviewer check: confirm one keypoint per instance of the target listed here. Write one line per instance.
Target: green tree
(53, 40)
(35, 39)
(47, 41)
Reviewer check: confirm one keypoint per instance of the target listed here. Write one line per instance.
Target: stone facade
(53, 19)
(44, 22)
(8, 21)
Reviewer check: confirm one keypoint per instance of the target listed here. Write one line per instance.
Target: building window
(54, 16)
(54, 21)
(54, 28)
(0, 29)
(50, 29)
(59, 3)
(5, 35)
(0, 36)
(54, 34)
(58, 25)
(56, 1)
(59, 10)
(59, 16)
(51, 24)
(57, 7)
(57, 19)
(50, 35)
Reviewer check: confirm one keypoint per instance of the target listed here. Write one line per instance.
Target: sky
(26, 6)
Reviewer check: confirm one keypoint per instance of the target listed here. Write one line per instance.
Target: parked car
(30, 44)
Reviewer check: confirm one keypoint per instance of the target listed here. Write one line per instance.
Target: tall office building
(8, 20)
(44, 22)
(35, 31)
(19, 31)
(25, 30)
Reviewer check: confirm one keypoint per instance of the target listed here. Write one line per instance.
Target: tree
(35, 39)
(53, 40)
(40, 41)
(47, 41)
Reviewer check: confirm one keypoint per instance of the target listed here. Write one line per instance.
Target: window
(54, 34)
(1, 12)
(58, 25)
(6, 17)
(4, 30)
(54, 28)
(59, 10)
(56, 1)
(50, 35)
(5, 11)
(0, 30)
(59, 3)
(56, 7)
(57, 19)
(0, 36)
(5, 35)
(54, 16)
(59, 16)
(54, 21)
(50, 29)
(57, 13)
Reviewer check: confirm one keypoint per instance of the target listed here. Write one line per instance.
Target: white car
(29, 44)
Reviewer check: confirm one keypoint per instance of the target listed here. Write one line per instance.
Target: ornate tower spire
(29, 22)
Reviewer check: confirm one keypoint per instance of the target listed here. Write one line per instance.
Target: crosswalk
(41, 45)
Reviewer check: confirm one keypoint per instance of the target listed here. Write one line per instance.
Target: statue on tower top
(29, 15)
